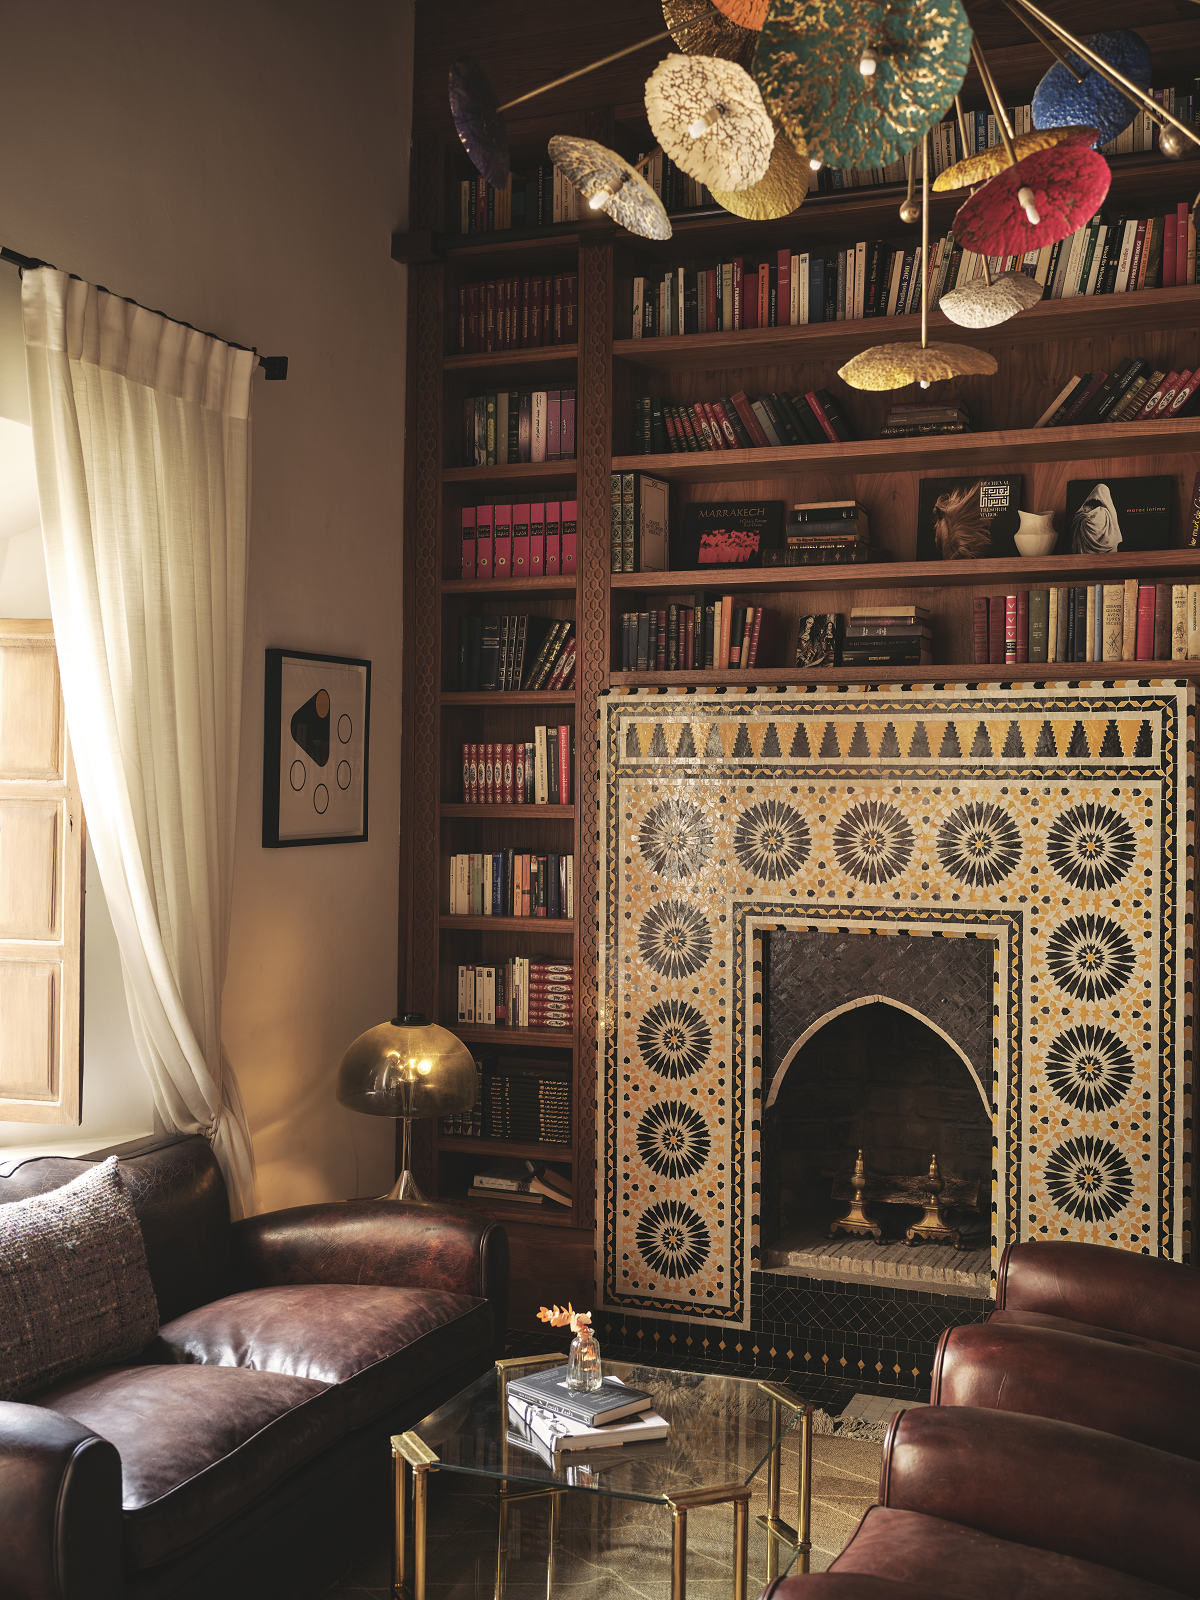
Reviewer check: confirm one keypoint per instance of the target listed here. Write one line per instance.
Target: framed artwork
(316, 741)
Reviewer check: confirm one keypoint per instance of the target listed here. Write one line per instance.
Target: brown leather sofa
(247, 1452)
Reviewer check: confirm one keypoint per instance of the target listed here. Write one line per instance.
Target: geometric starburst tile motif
(1050, 825)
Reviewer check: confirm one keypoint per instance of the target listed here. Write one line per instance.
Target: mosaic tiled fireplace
(1035, 839)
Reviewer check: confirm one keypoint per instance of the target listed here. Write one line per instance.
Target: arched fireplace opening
(876, 1077)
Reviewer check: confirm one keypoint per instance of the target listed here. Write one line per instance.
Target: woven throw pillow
(75, 1290)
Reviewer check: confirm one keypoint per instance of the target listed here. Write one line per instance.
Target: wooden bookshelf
(1037, 352)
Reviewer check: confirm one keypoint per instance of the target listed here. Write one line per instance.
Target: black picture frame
(301, 738)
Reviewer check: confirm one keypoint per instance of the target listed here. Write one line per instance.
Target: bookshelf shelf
(457, 808)
(916, 575)
(524, 586)
(508, 697)
(528, 1038)
(523, 472)
(1094, 317)
(547, 355)
(956, 452)
(504, 1147)
(1065, 672)
(563, 927)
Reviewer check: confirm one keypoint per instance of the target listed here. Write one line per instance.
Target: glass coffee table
(723, 1433)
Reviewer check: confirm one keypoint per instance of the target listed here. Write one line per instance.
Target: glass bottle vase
(584, 1369)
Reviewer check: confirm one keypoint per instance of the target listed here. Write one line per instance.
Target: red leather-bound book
(1145, 623)
(1162, 622)
(818, 411)
(510, 769)
(749, 421)
(996, 610)
(468, 541)
(564, 763)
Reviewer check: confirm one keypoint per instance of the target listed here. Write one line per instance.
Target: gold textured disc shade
(407, 1070)
(979, 168)
(777, 194)
(733, 147)
(980, 304)
(746, 13)
(594, 169)
(895, 366)
(1068, 183)
(700, 29)
(807, 66)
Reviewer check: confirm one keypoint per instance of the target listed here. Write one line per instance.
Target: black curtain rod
(274, 367)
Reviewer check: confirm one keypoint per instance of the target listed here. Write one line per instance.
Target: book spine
(1162, 622)
(1022, 625)
(1010, 628)
(1089, 617)
(1179, 613)
(1039, 625)
(1129, 621)
(1144, 645)
(1114, 621)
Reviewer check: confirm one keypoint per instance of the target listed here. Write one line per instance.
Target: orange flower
(557, 1317)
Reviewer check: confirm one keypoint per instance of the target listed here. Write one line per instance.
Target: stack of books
(518, 313)
(1130, 621)
(734, 422)
(537, 772)
(534, 199)
(519, 541)
(672, 185)
(896, 635)
(529, 1183)
(511, 883)
(916, 417)
(526, 1102)
(714, 632)
(518, 993)
(1132, 392)
(827, 532)
(522, 651)
(509, 426)
(547, 1417)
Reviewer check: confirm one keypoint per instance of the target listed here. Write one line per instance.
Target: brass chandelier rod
(962, 134)
(1046, 42)
(924, 241)
(580, 72)
(989, 85)
(1110, 73)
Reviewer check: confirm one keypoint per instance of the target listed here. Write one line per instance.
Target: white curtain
(141, 431)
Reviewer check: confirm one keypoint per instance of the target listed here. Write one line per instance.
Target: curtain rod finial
(273, 367)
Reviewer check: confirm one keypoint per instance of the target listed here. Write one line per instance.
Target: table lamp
(407, 1068)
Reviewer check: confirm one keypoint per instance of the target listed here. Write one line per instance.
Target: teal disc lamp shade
(407, 1068)
(1060, 101)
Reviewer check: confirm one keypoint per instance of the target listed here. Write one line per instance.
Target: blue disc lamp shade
(407, 1068)
(1060, 102)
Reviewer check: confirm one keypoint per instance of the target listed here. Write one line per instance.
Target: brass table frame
(410, 1454)
(797, 1539)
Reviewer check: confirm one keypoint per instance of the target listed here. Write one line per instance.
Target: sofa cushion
(920, 1549)
(383, 1345)
(198, 1444)
(1043, 1319)
(75, 1290)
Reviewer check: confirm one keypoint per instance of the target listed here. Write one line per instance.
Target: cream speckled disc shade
(980, 304)
(735, 149)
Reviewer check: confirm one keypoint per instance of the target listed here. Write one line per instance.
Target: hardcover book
(1117, 514)
(724, 534)
(968, 518)
(611, 1401)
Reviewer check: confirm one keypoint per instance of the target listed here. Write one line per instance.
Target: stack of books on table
(916, 417)
(546, 1416)
(888, 636)
(528, 1183)
(826, 533)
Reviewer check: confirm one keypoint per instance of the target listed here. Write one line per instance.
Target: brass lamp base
(406, 1187)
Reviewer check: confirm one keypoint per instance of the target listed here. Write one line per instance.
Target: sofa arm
(1134, 1394)
(851, 1586)
(61, 1531)
(377, 1242)
(1093, 1283)
(1049, 1484)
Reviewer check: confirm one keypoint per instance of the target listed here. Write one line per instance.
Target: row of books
(518, 313)
(714, 632)
(507, 653)
(672, 185)
(528, 1184)
(547, 1418)
(537, 772)
(1130, 393)
(734, 422)
(1130, 621)
(516, 1099)
(833, 533)
(520, 993)
(535, 540)
(946, 146)
(893, 635)
(533, 199)
(509, 426)
(512, 883)
(639, 523)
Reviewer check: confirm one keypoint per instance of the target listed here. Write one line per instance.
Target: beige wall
(241, 165)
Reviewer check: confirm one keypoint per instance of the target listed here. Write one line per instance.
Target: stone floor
(808, 1249)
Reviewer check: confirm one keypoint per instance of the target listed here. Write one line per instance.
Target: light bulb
(1032, 214)
(598, 199)
(814, 163)
(703, 123)
(867, 63)
(924, 383)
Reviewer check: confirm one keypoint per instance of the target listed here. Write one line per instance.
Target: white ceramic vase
(1037, 535)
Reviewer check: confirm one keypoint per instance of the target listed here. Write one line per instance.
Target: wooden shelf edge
(859, 456)
(508, 697)
(535, 356)
(960, 672)
(563, 1039)
(556, 925)
(546, 813)
(462, 1144)
(521, 472)
(486, 586)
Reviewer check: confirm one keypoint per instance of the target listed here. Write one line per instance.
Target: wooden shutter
(41, 886)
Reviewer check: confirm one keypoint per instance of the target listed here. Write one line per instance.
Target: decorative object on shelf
(987, 163)
(893, 366)
(316, 742)
(968, 518)
(608, 183)
(983, 303)
(780, 192)
(1037, 534)
(715, 534)
(405, 1069)
(585, 1373)
(1076, 92)
(477, 118)
(809, 65)
(1035, 202)
(1119, 514)
(746, 13)
(700, 28)
(817, 639)
(709, 117)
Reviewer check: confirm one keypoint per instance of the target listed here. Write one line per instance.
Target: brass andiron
(933, 1226)
(856, 1220)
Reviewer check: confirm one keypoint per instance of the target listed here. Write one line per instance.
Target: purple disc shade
(480, 125)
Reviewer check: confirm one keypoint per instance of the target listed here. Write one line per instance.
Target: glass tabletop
(720, 1432)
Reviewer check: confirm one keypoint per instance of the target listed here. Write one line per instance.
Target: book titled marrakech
(721, 534)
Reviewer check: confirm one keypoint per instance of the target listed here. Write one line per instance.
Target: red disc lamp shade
(1068, 183)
